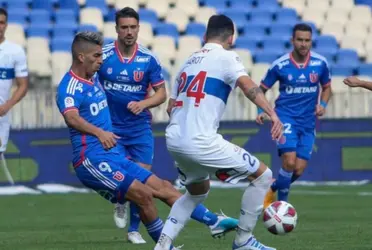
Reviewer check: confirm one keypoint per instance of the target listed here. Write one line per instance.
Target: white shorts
(228, 162)
(4, 135)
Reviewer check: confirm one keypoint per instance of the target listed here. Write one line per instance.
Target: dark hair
(126, 12)
(220, 27)
(4, 12)
(83, 38)
(301, 27)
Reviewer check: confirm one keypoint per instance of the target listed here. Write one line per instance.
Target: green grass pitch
(330, 218)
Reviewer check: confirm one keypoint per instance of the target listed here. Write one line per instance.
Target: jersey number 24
(196, 87)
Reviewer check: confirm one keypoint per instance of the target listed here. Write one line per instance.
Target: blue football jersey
(126, 80)
(299, 86)
(89, 99)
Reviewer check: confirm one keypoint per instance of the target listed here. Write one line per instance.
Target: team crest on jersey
(138, 75)
(109, 71)
(314, 78)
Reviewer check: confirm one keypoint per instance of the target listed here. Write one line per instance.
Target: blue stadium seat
(38, 30)
(246, 43)
(61, 45)
(108, 40)
(261, 17)
(69, 4)
(245, 5)
(365, 2)
(365, 69)
(268, 5)
(281, 31)
(326, 43)
(255, 30)
(167, 29)
(87, 27)
(239, 17)
(99, 4)
(39, 16)
(196, 29)
(62, 29)
(286, 16)
(18, 16)
(342, 70)
(264, 56)
(219, 5)
(148, 16)
(273, 44)
(110, 17)
(19, 4)
(65, 15)
(348, 57)
(43, 4)
(166, 74)
(328, 54)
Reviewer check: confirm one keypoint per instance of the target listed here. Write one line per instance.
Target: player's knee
(264, 179)
(289, 164)
(145, 198)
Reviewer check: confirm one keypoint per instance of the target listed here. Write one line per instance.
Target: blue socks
(134, 218)
(154, 229)
(203, 215)
(282, 184)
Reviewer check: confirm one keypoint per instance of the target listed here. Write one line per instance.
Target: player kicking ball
(97, 161)
(302, 74)
(196, 106)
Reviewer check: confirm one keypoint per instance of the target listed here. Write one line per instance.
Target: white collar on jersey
(212, 45)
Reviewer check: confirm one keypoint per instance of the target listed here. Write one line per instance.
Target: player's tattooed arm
(159, 97)
(264, 90)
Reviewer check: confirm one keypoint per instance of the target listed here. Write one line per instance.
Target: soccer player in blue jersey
(98, 162)
(128, 71)
(302, 74)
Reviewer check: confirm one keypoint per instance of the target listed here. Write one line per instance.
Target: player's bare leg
(283, 183)
(219, 224)
(251, 209)
(301, 165)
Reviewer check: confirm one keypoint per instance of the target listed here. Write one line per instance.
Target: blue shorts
(296, 139)
(110, 175)
(138, 148)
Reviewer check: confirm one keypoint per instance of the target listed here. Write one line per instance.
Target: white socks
(252, 205)
(180, 215)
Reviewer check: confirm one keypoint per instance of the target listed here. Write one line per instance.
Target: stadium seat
(18, 4)
(320, 4)
(160, 7)
(219, 5)
(342, 4)
(286, 16)
(342, 70)
(39, 16)
(333, 29)
(298, 5)
(356, 30)
(64, 31)
(327, 43)
(261, 17)
(164, 46)
(18, 17)
(167, 29)
(65, 15)
(313, 15)
(39, 30)
(42, 4)
(109, 30)
(365, 69)
(247, 43)
(244, 5)
(61, 62)
(98, 4)
(274, 45)
(16, 34)
(189, 44)
(361, 14)
(190, 7)
(119, 4)
(92, 16)
(203, 14)
(63, 45)
(348, 57)
(178, 17)
(238, 16)
(196, 29)
(336, 15)
(69, 4)
(351, 42)
(107, 40)
(268, 5)
(146, 34)
(259, 70)
(281, 31)
(246, 58)
(148, 16)
(87, 27)
(264, 56)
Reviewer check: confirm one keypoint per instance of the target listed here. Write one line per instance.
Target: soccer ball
(280, 218)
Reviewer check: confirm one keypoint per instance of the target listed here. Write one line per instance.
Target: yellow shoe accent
(269, 197)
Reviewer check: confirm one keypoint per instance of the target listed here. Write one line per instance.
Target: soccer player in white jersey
(196, 106)
(13, 65)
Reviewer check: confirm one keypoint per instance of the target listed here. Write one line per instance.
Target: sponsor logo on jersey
(96, 107)
(122, 87)
(124, 72)
(142, 59)
(109, 71)
(315, 63)
(108, 54)
(300, 90)
(69, 102)
(138, 75)
(282, 64)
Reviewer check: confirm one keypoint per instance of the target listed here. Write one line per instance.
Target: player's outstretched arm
(254, 93)
(74, 120)
(353, 81)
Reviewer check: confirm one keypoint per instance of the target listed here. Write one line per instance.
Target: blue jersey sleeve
(69, 97)
(270, 78)
(325, 78)
(156, 76)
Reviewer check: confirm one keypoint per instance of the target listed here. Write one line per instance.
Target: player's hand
(320, 110)
(261, 118)
(352, 81)
(107, 139)
(276, 128)
(4, 109)
(136, 107)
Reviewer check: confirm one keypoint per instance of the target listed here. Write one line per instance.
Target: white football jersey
(201, 92)
(13, 63)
